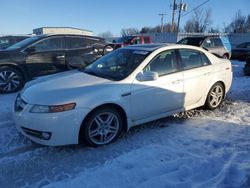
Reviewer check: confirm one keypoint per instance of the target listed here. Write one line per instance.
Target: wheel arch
(224, 87)
(119, 108)
(227, 54)
(15, 66)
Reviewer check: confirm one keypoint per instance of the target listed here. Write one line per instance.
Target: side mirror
(30, 49)
(147, 76)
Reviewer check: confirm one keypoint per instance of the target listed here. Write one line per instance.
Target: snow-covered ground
(198, 148)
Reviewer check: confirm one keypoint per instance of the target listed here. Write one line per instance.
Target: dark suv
(8, 40)
(126, 41)
(45, 54)
(247, 65)
(217, 45)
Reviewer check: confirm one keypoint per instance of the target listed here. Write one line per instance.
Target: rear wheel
(225, 56)
(215, 96)
(102, 127)
(11, 80)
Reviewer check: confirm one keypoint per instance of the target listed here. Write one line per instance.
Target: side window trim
(63, 44)
(82, 37)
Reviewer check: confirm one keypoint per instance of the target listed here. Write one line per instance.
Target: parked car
(247, 65)
(126, 41)
(127, 87)
(217, 45)
(8, 40)
(240, 52)
(45, 54)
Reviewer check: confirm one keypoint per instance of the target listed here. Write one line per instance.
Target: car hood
(61, 88)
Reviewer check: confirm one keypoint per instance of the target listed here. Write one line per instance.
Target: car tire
(225, 56)
(215, 96)
(107, 49)
(11, 80)
(102, 127)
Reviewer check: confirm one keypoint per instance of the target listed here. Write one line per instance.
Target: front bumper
(52, 129)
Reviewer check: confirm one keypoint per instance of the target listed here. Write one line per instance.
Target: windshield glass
(23, 43)
(117, 65)
(124, 40)
(4, 42)
(191, 41)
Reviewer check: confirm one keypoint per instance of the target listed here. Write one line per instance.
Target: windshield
(124, 40)
(4, 42)
(23, 43)
(191, 41)
(117, 65)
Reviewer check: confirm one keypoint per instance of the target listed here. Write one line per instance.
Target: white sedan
(124, 88)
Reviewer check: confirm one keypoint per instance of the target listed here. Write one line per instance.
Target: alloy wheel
(103, 128)
(216, 96)
(9, 81)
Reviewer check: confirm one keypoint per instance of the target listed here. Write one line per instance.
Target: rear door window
(217, 42)
(191, 59)
(208, 43)
(78, 42)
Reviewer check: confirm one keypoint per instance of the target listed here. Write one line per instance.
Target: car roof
(202, 37)
(48, 35)
(155, 46)
(9, 36)
(147, 47)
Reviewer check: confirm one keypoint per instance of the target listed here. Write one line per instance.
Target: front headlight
(52, 109)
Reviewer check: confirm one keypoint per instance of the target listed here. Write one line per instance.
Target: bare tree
(146, 30)
(129, 31)
(238, 23)
(214, 30)
(189, 27)
(106, 35)
(200, 21)
(167, 27)
(248, 24)
(157, 29)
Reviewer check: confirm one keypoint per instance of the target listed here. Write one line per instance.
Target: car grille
(19, 104)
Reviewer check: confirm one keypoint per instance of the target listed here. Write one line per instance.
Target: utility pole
(162, 21)
(182, 7)
(174, 8)
(179, 16)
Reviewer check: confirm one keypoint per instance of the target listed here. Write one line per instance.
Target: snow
(198, 148)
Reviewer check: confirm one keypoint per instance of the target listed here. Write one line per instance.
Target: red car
(126, 41)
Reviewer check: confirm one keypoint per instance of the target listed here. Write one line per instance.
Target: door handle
(177, 81)
(60, 57)
(89, 53)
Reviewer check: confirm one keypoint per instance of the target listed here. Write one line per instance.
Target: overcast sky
(21, 16)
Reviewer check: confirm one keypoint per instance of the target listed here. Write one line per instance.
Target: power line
(195, 8)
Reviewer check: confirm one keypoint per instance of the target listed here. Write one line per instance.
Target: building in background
(61, 30)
